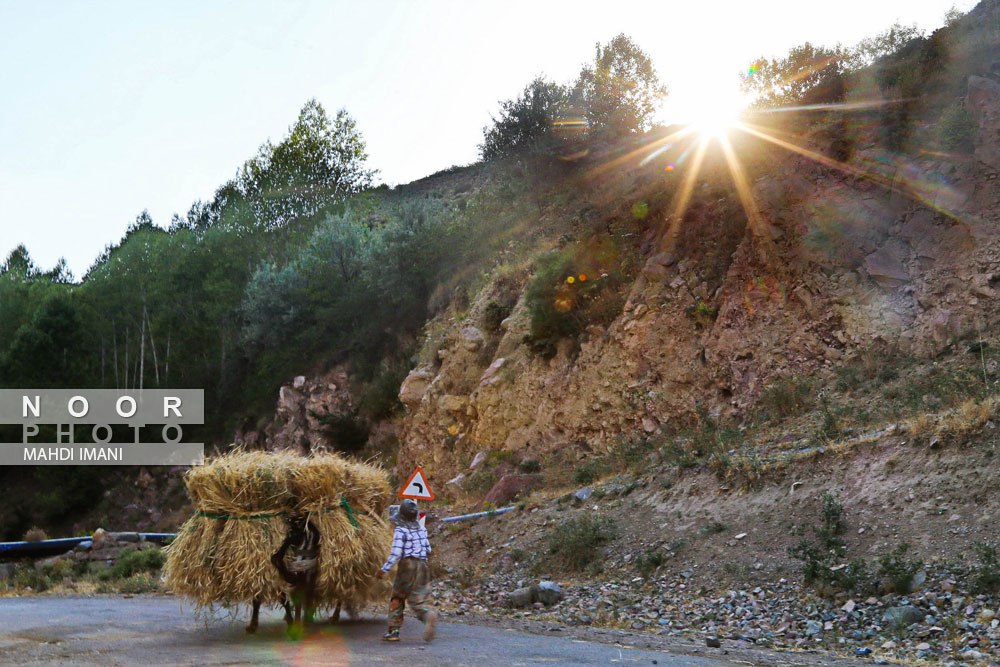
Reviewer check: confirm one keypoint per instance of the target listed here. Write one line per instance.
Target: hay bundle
(349, 555)
(222, 553)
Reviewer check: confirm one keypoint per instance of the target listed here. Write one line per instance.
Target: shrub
(829, 428)
(897, 571)
(493, 315)
(817, 570)
(140, 582)
(633, 451)
(818, 559)
(650, 561)
(587, 473)
(985, 575)
(135, 561)
(702, 312)
(26, 576)
(713, 528)
(576, 541)
(677, 453)
(529, 466)
(466, 576)
(380, 398)
(786, 396)
(571, 290)
(345, 431)
(832, 526)
(957, 130)
(35, 534)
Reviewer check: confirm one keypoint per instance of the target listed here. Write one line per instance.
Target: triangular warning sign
(416, 487)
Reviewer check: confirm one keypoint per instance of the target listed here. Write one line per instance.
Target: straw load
(222, 554)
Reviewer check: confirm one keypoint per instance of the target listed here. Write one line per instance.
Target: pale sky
(109, 108)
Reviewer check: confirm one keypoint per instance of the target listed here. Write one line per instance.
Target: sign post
(417, 488)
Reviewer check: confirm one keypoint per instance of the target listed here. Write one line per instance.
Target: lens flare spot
(669, 167)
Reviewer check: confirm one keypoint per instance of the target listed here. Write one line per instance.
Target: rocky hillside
(884, 254)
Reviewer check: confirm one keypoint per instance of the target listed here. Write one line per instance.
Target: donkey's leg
(254, 613)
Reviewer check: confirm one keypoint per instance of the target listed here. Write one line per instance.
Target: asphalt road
(110, 630)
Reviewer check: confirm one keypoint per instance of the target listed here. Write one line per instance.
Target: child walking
(410, 548)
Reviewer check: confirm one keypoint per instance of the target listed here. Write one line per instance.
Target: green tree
(889, 41)
(19, 265)
(48, 352)
(620, 90)
(807, 75)
(526, 122)
(320, 162)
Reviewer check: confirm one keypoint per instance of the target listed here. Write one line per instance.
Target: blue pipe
(62, 545)
(478, 514)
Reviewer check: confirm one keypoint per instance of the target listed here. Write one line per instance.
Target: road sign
(416, 487)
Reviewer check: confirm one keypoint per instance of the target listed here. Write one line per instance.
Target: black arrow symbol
(419, 486)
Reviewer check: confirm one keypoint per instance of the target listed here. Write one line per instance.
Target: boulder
(414, 386)
(490, 376)
(299, 381)
(903, 616)
(522, 597)
(942, 327)
(885, 265)
(546, 593)
(510, 487)
(654, 270)
(477, 459)
(472, 338)
(549, 593)
(453, 403)
(289, 401)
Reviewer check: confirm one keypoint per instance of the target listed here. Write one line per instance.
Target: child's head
(408, 510)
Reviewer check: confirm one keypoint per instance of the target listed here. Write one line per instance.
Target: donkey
(300, 571)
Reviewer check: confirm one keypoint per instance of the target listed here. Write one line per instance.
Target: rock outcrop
(903, 259)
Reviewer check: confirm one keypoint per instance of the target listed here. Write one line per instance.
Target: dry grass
(959, 425)
(225, 558)
(923, 426)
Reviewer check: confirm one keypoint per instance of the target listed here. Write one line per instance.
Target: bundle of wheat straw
(322, 480)
(222, 554)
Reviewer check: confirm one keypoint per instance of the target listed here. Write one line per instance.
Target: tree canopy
(615, 95)
(620, 89)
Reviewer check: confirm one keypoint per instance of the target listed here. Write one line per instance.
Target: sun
(715, 121)
(711, 111)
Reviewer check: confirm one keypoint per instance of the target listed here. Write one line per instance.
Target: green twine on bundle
(350, 512)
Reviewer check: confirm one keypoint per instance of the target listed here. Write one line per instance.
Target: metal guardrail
(62, 545)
